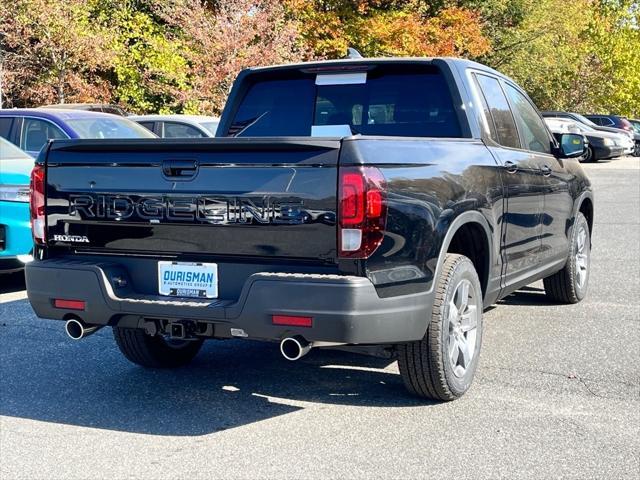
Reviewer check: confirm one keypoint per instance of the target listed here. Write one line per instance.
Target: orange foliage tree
(222, 40)
(51, 53)
(387, 28)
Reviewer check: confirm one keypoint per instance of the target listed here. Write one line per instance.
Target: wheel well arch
(470, 235)
(586, 208)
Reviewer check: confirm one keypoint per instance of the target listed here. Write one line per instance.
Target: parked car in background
(90, 107)
(601, 145)
(15, 231)
(179, 126)
(634, 145)
(31, 128)
(636, 125)
(614, 121)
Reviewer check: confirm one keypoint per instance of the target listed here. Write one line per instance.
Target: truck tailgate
(231, 197)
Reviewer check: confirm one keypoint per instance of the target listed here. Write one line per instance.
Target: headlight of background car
(14, 193)
(609, 142)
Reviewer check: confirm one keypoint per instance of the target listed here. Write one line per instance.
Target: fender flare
(587, 194)
(471, 216)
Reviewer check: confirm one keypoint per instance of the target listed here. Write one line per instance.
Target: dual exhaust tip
(292, 348)
(77, 330)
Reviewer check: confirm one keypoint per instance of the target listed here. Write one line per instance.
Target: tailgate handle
(180, 168)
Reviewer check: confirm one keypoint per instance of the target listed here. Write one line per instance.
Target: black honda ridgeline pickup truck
(381, 204)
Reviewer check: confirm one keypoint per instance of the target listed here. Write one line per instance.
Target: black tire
(154, 351)
(426, 365)
(590, 156)
(568, 285)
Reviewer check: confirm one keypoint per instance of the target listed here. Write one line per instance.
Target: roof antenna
(353, 53)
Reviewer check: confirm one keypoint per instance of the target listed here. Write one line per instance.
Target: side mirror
(571, 145)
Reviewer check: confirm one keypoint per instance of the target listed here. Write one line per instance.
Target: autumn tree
(220, 40)
(52, 52)
(388, 28)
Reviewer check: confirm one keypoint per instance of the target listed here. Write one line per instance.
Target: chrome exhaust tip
(294, 348)
(77, 330)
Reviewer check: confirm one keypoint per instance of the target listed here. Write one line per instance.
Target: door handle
(179, 168)
(546, 170)
(510, 167)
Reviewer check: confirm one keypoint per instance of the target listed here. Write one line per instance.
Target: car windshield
(395, 100)
(211, 127)
(8, 151)
(104, 127)
(584, 128)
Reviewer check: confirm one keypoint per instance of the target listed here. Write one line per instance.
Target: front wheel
(569, 285)
(589, 156)
(155, 351)
(441, 366)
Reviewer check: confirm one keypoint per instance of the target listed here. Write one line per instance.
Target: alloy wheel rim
(463, 327)
(582, 258)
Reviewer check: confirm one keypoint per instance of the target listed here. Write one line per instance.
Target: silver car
(179, 126)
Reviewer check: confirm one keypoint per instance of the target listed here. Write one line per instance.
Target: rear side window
(180, 130)
(534, 134)
(147, 125)
(35, 133)
(5, 126)
(505, 127)
(388, 101)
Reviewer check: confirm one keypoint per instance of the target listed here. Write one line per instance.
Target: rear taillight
(362, 211)
(36, 204)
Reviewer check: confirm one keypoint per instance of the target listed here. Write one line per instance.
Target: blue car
(31, 128)
(15, 230)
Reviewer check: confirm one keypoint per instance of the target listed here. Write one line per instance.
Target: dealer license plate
(181, 279)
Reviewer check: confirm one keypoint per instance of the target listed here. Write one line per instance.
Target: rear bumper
(15, 230)
(345, 309)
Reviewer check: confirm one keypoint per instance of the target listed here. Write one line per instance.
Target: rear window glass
(392, 101)
(107, 127)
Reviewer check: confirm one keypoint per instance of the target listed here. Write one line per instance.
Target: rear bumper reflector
(292, 321)
(69, 304)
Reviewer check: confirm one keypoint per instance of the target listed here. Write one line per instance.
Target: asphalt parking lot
(557, 393)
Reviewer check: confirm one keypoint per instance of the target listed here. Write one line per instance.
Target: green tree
(149, 72)
(615, 47)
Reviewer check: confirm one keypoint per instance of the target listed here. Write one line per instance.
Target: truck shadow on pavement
(528, 296)
(47, 377)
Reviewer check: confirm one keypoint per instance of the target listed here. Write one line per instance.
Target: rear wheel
(155, 351)
(569, 285)
(441, 366)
